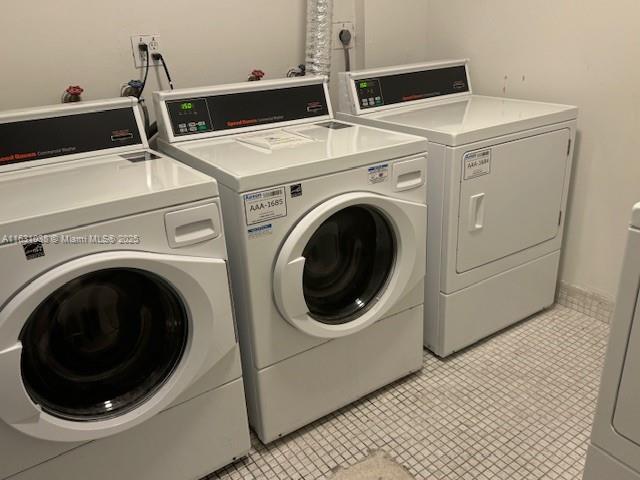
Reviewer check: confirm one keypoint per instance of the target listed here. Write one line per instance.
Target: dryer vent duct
(319, 30)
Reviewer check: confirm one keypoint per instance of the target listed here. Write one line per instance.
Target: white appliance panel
(513, 201)
(626, 419)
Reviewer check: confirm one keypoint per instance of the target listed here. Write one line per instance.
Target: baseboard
(585, 301)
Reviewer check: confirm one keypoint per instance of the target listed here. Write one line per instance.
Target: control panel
(411, 86)
(229, 111)
(39, 139)
(369, 93)
(190, 116)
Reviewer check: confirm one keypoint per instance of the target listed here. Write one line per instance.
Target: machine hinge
(568, 147)
(560, 218)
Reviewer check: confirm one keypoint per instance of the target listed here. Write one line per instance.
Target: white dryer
(499, 172)
(326, 224)
(614, 452)
(118, 353)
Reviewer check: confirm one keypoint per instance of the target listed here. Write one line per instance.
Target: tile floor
(590, 303)
(517, 406)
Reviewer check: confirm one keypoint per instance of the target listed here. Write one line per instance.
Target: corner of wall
(585, 301)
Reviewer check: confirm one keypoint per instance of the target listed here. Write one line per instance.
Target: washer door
(99, 344)
(348, 261)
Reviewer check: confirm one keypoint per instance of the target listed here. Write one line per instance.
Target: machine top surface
(455, 121)
(436, 100)
(264, 133)
(287, 154)
(54, 179)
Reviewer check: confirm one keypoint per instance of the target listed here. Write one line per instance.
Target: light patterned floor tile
(517, 406)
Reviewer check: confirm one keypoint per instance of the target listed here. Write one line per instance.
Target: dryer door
(348, 261)
(510, 197)
(101, 343)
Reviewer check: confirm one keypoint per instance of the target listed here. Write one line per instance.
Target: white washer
(499, 172)
(326, 224)
(118, 353)
(614, 452)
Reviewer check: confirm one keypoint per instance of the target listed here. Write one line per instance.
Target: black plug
(144, 49)
(345, 37)
(157, 57)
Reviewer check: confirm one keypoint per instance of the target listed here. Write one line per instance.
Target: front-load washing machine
(614, 452)
(118, 352)
(326, 224)
(499, 172)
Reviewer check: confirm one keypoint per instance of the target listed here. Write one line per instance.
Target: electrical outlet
(139, 57)
(337, 26)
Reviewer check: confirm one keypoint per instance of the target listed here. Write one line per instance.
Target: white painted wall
(582, 52)
(387, 33)
(396, 32)
(45, 46)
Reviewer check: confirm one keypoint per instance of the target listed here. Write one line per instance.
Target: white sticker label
(378, 173)
(477, 163)
(277, 139)
(260, 231)
(265, 205)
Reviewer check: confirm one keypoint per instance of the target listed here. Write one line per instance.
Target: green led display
(363, 84)
(186, 106)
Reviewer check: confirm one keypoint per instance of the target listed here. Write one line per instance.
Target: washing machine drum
(348, 261)
(102, 344)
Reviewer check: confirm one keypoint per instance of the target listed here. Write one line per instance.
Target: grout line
(585, 301)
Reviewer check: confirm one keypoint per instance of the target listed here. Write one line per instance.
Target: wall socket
(337, 26)
(139, 57)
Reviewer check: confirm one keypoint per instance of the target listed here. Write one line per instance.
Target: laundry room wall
(581, 52)
(395, 32)
(384, 34)
(47, 46)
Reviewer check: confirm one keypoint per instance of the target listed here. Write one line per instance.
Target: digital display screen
(411, 86)
(247, 109)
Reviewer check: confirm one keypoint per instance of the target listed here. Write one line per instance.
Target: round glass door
(102, 344)
(348, 261)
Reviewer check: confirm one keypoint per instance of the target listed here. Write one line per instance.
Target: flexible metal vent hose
(319, 31)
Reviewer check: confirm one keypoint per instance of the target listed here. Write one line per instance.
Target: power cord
(144, 48)
(152, 129)
(345, 39)
(158, 56)
(145, 116)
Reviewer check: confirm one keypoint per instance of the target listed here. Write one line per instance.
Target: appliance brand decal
(265, 205)
(477, 164)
